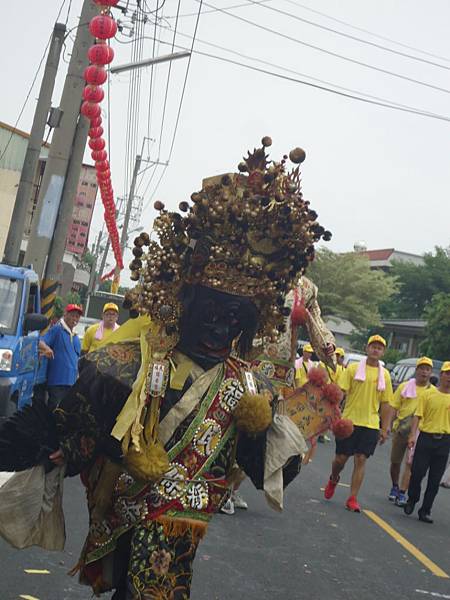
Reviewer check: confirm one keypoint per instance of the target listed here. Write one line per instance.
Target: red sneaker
(352, 504)
(330, 488)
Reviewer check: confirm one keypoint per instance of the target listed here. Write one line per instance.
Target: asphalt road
(315, 549)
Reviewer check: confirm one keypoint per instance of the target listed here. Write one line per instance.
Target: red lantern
(93, 93)
(106, 2)
(91, 110)
(103, 27)
(96, 75)
(99, 154)
(100, 54)
(104, 175)
(96, 122)
(95, 132)
(97, 143)
(102, 165)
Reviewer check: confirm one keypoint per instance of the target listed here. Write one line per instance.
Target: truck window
(10, 301)
(32, 299)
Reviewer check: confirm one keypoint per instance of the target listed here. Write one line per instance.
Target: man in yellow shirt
(432, 448)
(335, 376)
(404, 406)
(368, 390)
(95, 334)
(303, 365)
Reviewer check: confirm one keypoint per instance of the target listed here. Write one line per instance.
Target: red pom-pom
(317, 376)
(299, 315)
(342, 428)
(332, 393)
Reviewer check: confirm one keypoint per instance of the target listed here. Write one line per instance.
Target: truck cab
(20, 323)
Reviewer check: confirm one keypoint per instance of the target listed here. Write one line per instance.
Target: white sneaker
(228, 507)
(239, 501)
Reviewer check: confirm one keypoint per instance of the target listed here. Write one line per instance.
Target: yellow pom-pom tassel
(253, 414)
(148, 464)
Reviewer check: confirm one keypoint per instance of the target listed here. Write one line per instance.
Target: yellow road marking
(37, 571)
(347, 485)
(420, 556)
(25, 597)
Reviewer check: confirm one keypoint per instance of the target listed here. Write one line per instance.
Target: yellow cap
(424, 360)
(308, 348)
(110, 306)
(446, 366)
(340, 351)
(376, 338)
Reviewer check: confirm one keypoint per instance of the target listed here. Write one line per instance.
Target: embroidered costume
(163, 410)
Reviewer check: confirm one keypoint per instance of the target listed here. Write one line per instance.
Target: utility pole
(17, 226)
(55, 201)
(124, 234)
(93, 273)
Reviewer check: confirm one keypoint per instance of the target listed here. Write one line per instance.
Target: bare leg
(395, 473)
(358, 473)
(406, 477)
(337, 465)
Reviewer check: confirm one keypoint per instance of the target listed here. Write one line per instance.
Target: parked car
(352, 357)
(405, 369)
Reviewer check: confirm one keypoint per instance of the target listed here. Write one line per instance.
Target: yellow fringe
(178, 527)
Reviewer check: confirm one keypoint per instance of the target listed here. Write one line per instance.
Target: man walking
(95, 334)
(404, 406)
(369, 390)
(63, 348)
(303, 365)
(432, 448)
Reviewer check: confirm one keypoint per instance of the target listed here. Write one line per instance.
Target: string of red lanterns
(102, 27)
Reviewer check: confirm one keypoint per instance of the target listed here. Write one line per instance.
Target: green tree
(437, 340)
(349, 289)
(417, 284)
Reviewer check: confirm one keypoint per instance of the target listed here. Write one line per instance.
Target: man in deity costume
(164, 410)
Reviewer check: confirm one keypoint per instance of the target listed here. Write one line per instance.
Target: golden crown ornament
(249, 234)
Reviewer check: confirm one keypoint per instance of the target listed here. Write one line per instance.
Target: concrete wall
(9, 180)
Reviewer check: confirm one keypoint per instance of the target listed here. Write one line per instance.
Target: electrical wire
(287, 70)
(27, 97)
(329, 52)
(353, 94)
(351, 37)
(179, 109)
(377, 35)
(205, 12)
(169, 72)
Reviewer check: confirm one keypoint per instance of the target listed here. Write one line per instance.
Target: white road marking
(434, 594)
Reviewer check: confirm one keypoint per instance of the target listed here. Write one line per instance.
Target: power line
(329, 52)
(205, 12)
(377, 35)
(27, 97)
(287, 70)
(179, 108)
(367, 99)
(351, 37)
(166, 94)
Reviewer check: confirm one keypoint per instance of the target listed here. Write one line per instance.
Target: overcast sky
(372, 173)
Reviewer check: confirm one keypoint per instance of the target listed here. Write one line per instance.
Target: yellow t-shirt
(333, 376)
(406, 406)
(433, 409)
(301, 374)
(89, 342)
(362, 404)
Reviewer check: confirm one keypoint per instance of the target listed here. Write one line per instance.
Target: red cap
(74, 307)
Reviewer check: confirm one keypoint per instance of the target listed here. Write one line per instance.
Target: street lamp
(149, 61)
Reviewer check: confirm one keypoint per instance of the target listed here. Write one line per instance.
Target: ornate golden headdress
(249, 233)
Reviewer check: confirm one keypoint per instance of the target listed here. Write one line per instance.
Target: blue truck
(21, 370)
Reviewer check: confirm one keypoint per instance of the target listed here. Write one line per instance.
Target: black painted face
(211, 321)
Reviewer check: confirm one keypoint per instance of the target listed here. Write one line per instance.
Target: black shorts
(362, 441)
